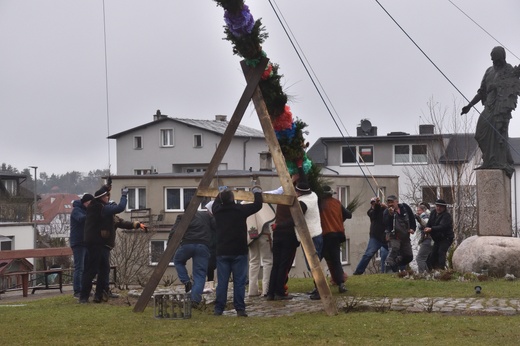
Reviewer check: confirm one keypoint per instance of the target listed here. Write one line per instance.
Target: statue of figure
(498, 92)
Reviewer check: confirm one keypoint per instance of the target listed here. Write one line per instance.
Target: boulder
(498, 255)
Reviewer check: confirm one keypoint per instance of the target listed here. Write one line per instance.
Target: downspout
(245, 146)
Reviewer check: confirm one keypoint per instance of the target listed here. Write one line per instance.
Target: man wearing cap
(440, 227)
(77, 232)
(100, 234)
(332, 215)
(399, 224)
(377, 237)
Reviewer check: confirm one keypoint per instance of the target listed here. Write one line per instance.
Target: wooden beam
(36, 253)
(253, 77)
(297, 214)
(249, 196)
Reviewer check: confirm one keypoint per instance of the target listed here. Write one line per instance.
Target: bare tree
(452, 158)
(132, 257)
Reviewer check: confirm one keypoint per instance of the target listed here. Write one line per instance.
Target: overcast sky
(170, 55)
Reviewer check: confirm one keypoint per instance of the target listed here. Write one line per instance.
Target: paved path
(259, 306)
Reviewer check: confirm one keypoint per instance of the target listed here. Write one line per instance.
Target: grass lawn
(61, 321)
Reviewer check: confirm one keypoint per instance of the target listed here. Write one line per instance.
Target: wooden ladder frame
(251, 91)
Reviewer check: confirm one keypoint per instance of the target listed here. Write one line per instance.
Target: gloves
(256, 189)
(124, 191)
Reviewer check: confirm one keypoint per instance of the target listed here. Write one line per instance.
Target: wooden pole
(296, 212)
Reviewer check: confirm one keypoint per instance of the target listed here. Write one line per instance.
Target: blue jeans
(238, 266)
(373, 246)
(199, 253)
(79, 252)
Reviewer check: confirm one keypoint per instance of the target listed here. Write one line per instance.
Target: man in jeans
(232, 250)
(195, 245)
(377, 239)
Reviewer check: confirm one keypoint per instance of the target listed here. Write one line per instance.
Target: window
(345, 252)
(431, 193)
(142, 171)
(357, 153)
(136, 198)
(6, 243)
(138, 142)
(194, 170)
(197, 141)
(167, 138)
(157, 248)
(177, 198)
(410, 153)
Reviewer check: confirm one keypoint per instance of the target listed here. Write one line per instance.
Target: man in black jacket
(440, 226)
(377, 241)
(232, 250)
(399, 222)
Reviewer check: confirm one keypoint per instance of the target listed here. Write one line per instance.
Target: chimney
(266, 162)
(220, 117)
(427, 129)
(159, 116)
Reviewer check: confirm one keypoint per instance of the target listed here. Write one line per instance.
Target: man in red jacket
(332, 215)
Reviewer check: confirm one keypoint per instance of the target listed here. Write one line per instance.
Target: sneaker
(342, 288)
(83, 301)
(269, 297)
(217, 313)
(313, 291)
(195, 305)
(356, 273)
(315, 296)
(97, 299)
(287, 297)
(241, 313)
(104, 296)
(187, 286)
(76, 295)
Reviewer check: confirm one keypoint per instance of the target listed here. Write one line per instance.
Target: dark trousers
(284, 250)
(332, 254)
(98, 263)
(438, 254)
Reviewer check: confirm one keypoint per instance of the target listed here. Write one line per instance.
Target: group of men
(228, 221)
(94, 222)
(391, 226)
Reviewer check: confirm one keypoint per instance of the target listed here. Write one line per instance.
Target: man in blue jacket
(77, 230)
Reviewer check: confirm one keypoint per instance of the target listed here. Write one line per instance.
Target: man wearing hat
(332, 215)
(77, 231)
(100, 234)
(440, 227)
(377, 237)
(309, 204)
(399, 222)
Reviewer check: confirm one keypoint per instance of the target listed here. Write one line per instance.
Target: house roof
(215, 126)
(461, 147)
(53, 204)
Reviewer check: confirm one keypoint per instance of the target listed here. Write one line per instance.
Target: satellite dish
(366, 125)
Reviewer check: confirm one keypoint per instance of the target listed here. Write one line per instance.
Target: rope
(315, 81)
(446, 77)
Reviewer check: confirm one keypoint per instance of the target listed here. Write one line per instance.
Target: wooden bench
(42, 253)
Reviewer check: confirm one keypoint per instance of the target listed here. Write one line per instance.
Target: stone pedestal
(493, 203)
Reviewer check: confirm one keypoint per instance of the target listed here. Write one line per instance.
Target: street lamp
(35, 206)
